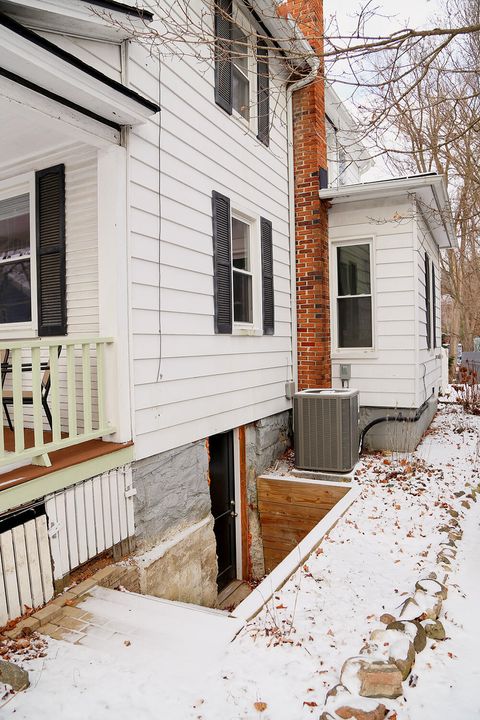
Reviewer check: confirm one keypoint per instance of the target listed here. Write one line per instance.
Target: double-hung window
(32, 254)
(242, 73)
(354, 295)
(15, 258)
(243, 270)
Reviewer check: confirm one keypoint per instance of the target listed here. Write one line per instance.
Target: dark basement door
(222, 494)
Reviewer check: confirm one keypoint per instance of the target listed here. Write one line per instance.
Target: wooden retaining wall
(289, 508)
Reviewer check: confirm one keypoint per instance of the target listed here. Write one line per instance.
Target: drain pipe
(314, 63)
(395, 418)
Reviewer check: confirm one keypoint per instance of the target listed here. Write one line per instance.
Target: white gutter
(314, 63)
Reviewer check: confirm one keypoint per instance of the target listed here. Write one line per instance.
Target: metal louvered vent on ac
(326, 429)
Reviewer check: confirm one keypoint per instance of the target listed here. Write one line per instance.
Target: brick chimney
(311, 214)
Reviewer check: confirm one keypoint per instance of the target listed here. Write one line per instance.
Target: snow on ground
(283, 662)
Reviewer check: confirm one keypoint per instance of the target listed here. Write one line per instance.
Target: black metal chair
(27, 396)
(4, 355)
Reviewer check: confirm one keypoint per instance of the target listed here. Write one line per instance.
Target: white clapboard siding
(386, 376)
(26, 574)
(430, 363)
(89, 517)
(189, 382)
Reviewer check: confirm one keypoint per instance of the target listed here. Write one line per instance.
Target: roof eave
(434, 185)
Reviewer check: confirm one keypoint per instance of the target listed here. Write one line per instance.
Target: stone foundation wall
(172, 493)
(265, 441)
(395, 436)
(177, 556)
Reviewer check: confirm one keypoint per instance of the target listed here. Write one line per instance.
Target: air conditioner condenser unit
(326, 429)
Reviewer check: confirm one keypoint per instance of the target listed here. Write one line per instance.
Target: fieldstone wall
(265, 441)
(174, 526)
(172, 492)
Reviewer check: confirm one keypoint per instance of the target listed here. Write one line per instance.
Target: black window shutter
(434, 307)
(50, 229)
(268, 299)
(427, 302)
(263, 93)
(223, 63)
(222, 263)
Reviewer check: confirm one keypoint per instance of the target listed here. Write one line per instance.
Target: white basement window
(354, 296)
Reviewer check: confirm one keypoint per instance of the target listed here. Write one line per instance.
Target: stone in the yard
(380, 680)
(410, 609)
(434, 629)
(336, 690)
(397, 648)
(453, 513)
(433, 587)
(386, 618)
(13, 675)
(459, 493)
(465, 504)
(414, 630)
(455, 535)
(430, 605)
(347, 712)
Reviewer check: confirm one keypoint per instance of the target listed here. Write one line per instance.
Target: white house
(145, 293)
(385, 242)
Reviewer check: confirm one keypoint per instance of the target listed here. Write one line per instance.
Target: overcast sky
(390, 15)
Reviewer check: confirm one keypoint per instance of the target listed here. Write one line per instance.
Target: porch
(57, 405)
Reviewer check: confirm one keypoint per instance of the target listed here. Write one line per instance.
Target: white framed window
(242, 271)
(241, 76)
(353, 283)
(18, 307)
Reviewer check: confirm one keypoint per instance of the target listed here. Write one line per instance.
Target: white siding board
(209, 382)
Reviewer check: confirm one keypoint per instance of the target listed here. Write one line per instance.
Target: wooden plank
(71, 522)
(130, 507)
(37, 397)
(21, 565)
(122, 503)
(286, 511)
(62, 535)
(90, 518)
(114, 506)
(3, 596)
(10, 574)
(17, 390)
(298, 493)
(34, 563)
(107, 512)
(83, 555)
(98, 510)
(45, 558)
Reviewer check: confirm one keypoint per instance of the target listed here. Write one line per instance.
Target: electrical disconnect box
(345, 372)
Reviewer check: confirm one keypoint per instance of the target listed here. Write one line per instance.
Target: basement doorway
(222, 494)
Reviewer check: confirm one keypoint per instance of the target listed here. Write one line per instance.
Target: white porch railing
(60, 377)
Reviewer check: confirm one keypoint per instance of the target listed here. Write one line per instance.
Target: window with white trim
(240, 72)
(15, 257)
(242, 271)
(354, 296)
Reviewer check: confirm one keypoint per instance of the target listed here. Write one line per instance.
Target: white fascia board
(37, 65)
(84, 128)
(75, 18)
(430, 189)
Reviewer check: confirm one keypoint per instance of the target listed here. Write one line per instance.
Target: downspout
(314, 63)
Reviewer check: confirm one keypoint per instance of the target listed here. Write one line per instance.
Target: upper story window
(242, 74)
(242, 272)
(354, 296)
